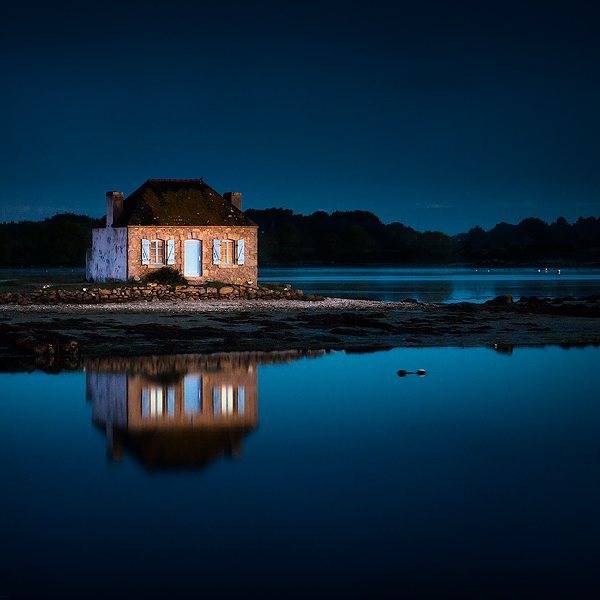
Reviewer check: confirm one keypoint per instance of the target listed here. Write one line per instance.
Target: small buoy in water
(421, 372)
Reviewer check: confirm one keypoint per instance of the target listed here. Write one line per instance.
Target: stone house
(179, 223)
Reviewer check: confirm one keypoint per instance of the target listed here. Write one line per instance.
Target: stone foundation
(149, 292)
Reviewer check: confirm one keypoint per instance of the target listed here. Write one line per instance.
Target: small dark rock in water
(462, 307)
(503, 348)
(501, 300)
(404, 373)
(531, 300)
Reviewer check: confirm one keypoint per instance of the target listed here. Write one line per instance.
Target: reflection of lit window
(153, 402)
(228, 400)
(192, 394)
(241, 399)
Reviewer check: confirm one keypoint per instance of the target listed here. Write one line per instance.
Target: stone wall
(95, 294)
(107, 257)
(240, 274)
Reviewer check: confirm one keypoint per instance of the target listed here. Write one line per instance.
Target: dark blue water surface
(322, 476)
(443, 284)
(428, 284)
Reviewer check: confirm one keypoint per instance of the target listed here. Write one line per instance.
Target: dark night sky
(436, 114)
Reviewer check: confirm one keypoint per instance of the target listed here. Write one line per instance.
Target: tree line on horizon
(359, 237)
(338, 238)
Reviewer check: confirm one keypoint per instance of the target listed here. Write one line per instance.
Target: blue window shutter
(216, 393)
(241, 399)
(240, 252)
(216, 252)
(145, 252)
(170, 252)
(171, 401)
(145, 403)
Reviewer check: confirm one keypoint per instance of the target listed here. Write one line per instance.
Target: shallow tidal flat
(59, 334)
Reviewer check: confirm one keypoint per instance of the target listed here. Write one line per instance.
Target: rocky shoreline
(148, 292)
(54, 336)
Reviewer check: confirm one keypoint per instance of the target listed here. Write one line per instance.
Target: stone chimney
(114, 207)
(234, 198)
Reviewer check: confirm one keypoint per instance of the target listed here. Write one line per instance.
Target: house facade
(178, 223)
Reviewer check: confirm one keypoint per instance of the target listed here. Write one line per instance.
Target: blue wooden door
(192, 258)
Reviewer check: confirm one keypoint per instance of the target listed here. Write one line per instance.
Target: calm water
(326, 476)
(437, 284)
(385, 283)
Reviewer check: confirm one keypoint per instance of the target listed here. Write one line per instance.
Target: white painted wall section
(107, 258)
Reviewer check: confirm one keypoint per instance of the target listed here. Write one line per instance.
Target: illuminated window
(227, 252)
(157, 252)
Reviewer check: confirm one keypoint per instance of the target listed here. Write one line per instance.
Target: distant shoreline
(342, 238)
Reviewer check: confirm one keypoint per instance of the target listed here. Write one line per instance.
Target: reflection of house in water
(178, 411)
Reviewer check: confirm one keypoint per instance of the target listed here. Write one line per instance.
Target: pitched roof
(179, 202)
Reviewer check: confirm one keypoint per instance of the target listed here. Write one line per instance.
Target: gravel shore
(211, 306)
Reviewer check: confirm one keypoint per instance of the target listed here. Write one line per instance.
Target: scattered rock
(503, 348)
(503, 300)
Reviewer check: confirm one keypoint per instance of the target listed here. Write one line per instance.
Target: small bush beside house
(165, 276)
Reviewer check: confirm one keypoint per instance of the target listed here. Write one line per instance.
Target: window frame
(157, 245)
(227, 244)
